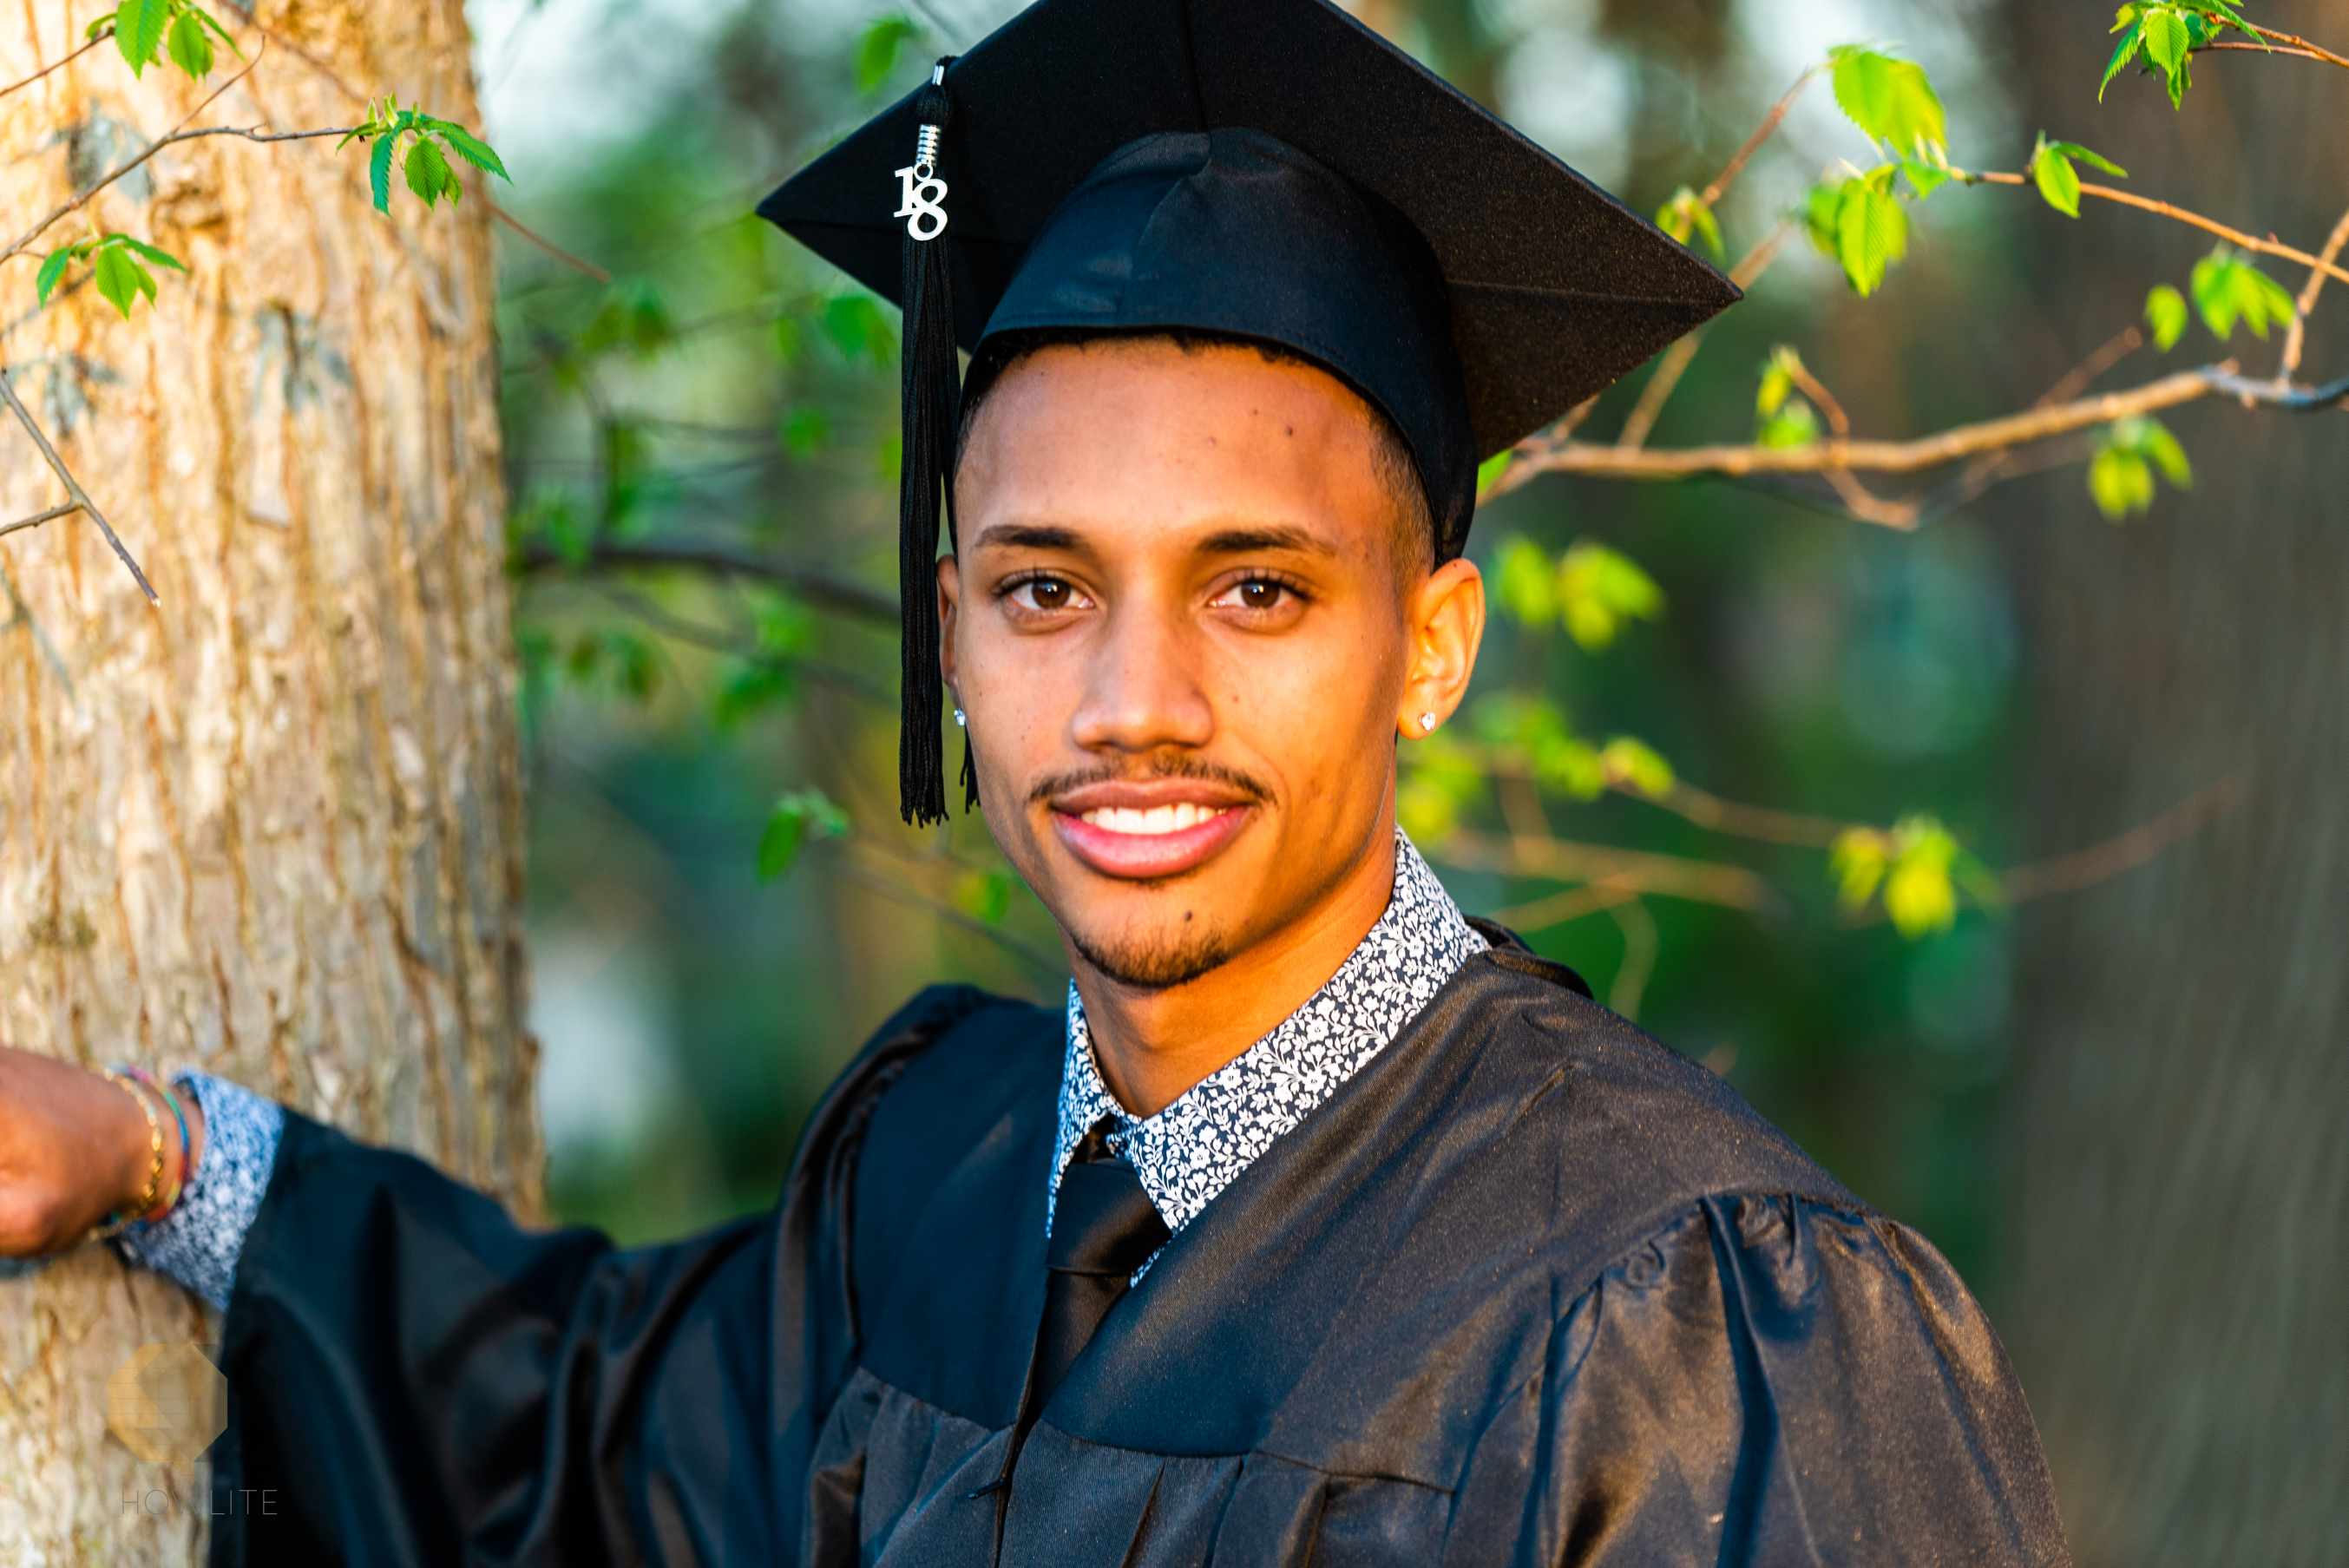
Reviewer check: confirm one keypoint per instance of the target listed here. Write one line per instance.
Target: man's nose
(1142, 688)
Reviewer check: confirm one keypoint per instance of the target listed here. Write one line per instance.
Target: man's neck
(1153, 1044)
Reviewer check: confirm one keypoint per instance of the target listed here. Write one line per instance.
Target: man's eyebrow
(1026, 536)
(1250, 541)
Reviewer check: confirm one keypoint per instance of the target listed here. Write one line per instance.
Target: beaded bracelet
(187, 1146)
(119, 1220)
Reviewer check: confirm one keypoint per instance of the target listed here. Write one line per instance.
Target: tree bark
(271, 825)
(2173, 1296)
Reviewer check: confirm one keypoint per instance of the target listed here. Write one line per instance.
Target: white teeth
(1157, 820)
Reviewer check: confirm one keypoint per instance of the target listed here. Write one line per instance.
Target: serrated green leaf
(426, 168)
(162, 258)
(472, 149)
(190, 49)
(1819, 207)
(2093, 159)
(51, 271)
(2165, 316)
(1872, 234)
(2165, 36)
(2129, 42)
(2059, 182)
(379, 171)
(877, 50)
(119, 278)
(1890, 101)
(139, 31)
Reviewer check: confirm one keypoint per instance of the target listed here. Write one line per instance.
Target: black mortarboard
(1268, 169)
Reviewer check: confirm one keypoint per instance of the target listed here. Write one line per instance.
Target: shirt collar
(1193, 1147)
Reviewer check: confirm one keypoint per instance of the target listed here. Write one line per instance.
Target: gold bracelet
(119, 1220)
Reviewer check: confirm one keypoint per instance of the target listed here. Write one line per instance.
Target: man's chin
(1152, 961)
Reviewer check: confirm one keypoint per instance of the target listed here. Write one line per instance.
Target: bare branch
(817, 587)
(107, 32)
(2170, 209)
(76, 204)
(1602, 865)
(38, 518)
(1762, 133)
(1675, 362)
(73, 487)
(2296, 44)
(2125, 852)
(2296, 337)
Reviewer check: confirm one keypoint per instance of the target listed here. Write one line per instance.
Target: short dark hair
(1415, 518)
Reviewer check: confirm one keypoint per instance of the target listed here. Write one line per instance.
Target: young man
(1324, 1223)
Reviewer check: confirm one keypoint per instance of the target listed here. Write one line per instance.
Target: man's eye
(1257, 593)
(1044, 594)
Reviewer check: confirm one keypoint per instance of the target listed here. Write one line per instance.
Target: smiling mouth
(1152, 821)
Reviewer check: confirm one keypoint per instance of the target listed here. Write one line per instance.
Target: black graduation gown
(1530, 1289)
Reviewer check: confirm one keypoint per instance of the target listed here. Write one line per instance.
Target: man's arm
(233, 1135)
(1771, 1379)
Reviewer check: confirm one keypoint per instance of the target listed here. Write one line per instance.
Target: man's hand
(73, 1148)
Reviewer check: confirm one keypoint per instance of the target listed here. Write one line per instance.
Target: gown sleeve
(1773, 1380)
(413, 1377)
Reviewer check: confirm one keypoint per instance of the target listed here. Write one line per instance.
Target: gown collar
(1191, 1149)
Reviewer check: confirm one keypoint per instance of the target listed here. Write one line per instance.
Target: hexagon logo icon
(167, 1403)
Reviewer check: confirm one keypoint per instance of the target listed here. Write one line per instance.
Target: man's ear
(949, 604)
(1445, 622)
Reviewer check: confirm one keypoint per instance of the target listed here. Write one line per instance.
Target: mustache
(1171, 767)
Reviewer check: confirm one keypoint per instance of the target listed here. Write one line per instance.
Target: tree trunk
(269, 826)
(2174, 1296)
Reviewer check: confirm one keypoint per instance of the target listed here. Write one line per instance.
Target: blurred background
(2002, 860)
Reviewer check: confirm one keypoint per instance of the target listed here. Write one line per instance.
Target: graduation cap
(1262, 170)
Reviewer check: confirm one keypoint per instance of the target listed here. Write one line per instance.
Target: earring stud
(960, 719)
(1426, 722)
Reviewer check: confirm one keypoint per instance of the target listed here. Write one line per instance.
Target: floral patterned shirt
(1194, 1147)
(1185, 1154)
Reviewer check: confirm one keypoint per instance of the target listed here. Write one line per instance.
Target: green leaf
(190, 49)
(1687, 218)
(2157, 443)
(2165, 315)
(120, 279)
(2059, 182)
(877, 50)
(2120, 481)
(162, 258)
(1795, 425)
(472, 149)
(139, 30)
(428, 171)
(1872, 234)
(806, 429)
(51, 271)
(1891, 101)
(1819, 206)
(1637, 765)
(795, 819)
(211, 22)
(1525, 582)
(2165, 36)
(1777, 381)
(2130, 40)
(1598, 589)
(1924, 178)
(1489, 472)
(379, 171)
(2093, 159)
(858, 329)
(1856, 859)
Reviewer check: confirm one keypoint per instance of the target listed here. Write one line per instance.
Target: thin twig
(73, 486)
(1857, 499)
(2295, 41)
(550, 247)
(38, 518)
(2170, 209)
(76, 204)
(2268, 50)
(1639, 963)
(1762, 133)
(2296, 337)
(817, 587)
(57, 65)
(1562, 907)
(2125, 852)
(1640, 870)
(1675, 362)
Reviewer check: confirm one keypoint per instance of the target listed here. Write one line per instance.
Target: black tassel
(931, 397)
(969, 777)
